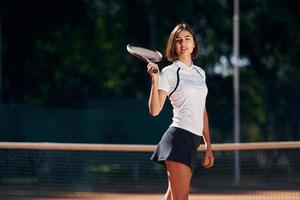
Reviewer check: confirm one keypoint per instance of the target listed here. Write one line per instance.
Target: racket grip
(154, 71)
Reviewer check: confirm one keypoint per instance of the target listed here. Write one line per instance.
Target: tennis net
(269, 170)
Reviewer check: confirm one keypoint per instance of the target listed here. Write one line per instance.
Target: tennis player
(184, 84)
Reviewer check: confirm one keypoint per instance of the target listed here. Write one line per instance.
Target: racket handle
(154, 71)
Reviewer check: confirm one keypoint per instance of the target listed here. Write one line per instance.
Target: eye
(178, 40)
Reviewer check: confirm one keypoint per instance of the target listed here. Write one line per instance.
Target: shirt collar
(182, 65)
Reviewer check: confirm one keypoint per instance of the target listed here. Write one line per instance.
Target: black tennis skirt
(177, 145)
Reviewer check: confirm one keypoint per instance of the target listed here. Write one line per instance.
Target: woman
(184, 84)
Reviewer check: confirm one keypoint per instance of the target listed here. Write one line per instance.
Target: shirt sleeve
(163, 83)
(204, 75)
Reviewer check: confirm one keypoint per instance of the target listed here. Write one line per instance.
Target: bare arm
(157, 97)
(206, 133)
(208, 157)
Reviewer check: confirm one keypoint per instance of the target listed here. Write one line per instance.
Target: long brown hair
(171, 51)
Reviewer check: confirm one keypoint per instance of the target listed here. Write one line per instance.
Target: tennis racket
(146, 55)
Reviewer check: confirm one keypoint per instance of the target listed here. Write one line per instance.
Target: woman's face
(184, 43)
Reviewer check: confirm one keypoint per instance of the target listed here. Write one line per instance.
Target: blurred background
(65, 77)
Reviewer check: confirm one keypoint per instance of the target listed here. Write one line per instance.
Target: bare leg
(168, 195)
(179, 176)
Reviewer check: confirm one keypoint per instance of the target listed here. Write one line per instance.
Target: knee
(180, 195)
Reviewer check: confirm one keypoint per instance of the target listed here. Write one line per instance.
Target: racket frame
(132, 52)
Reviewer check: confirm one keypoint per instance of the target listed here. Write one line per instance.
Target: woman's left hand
(208, 160)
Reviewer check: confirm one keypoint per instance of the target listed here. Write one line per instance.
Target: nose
(182, 43)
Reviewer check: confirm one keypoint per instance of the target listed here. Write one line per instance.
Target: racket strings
(149, 54)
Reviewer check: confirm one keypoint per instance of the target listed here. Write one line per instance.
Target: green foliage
(83, 57)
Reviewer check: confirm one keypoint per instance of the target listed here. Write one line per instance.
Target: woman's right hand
(150, 67)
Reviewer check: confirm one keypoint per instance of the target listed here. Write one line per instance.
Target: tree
(70, 54)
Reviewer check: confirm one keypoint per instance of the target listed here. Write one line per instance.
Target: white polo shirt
(188, 100)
